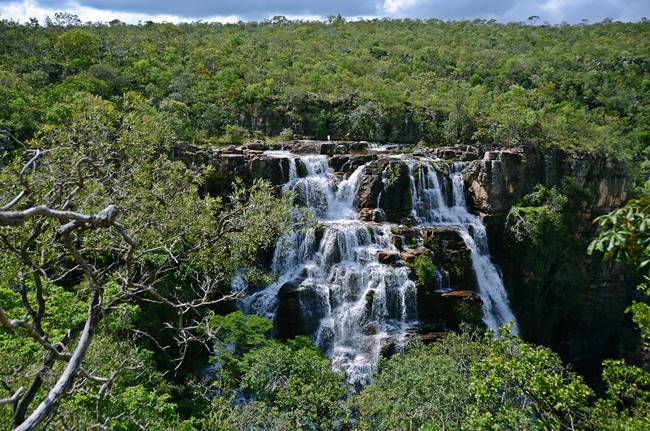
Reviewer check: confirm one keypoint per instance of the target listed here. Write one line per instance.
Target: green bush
(424, 270)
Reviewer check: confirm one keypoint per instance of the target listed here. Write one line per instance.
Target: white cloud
(234, 10)
(24, 10)
(396, 6)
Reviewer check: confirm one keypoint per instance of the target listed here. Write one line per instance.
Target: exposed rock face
(463, 153)
(385, 184)
(502, 177)
(245, 163)
(328, 148)
(348, 163)
(250, 161)
(449, 298)
(587, 323)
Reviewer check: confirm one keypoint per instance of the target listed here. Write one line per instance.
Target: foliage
(427, 388)
(626, 403)
(521, 386)
(286, 134)
(625, 233)
(625, 236)
(424, 270)
(471, 382)
(547, 255)
(283, 385)
(98, 155)
(577, 87)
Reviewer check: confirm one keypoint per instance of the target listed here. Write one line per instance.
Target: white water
(431, 208)
(363, 306)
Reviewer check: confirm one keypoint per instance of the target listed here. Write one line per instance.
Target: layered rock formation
(501, 178)
(565, 299)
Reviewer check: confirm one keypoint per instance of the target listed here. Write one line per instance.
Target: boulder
(388, 257)
(385, 184)
(299, 311)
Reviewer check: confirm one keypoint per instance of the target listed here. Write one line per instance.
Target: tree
(265, 384)
(521, 386)
(468, 381)
(427, 388)
(625, 236)
(96, 208)
(78, 46)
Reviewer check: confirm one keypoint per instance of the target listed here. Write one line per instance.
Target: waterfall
(363, 306)
(355, 305)
(430, 208)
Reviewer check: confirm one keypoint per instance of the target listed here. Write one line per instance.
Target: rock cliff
(498, 180)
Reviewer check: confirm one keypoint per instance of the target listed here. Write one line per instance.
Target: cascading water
(361, 304)
(357, 305)
(430, 207)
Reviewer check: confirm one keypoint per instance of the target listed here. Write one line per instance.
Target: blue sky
(132, 11)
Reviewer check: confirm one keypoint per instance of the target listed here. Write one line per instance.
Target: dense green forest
(583, 87)
(115, 268)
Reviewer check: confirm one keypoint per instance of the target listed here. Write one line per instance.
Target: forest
(119, 261)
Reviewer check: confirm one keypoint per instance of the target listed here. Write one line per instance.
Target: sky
(132, 11)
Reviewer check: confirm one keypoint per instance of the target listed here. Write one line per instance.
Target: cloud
(246, 8)
(519, 10)
(132, 11)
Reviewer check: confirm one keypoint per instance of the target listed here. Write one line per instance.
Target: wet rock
(379, 215)
(465, 294)
(385, 184)
(365, 214)
(348, 163)
(370, 329)
(410, 254)
(450, 253)
(299, 311)
(301, 168)
(388, 257)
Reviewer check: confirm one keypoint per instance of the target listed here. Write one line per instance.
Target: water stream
(357, 305)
